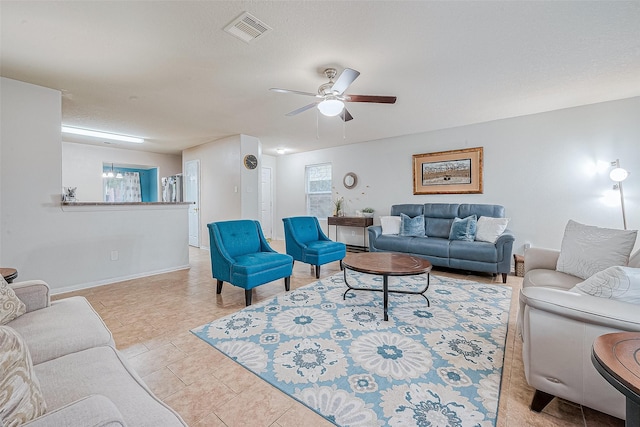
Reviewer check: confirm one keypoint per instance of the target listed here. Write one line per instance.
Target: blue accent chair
(306, 242)
(241, 256)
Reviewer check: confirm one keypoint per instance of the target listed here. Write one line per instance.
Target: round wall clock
(250, 161)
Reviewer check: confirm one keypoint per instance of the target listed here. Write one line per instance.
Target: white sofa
(85, 381)
(558, 328)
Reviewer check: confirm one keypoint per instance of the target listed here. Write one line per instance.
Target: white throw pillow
(489, 229)
(390, 224)
(587, 250)
(618, 283)
(10, 305)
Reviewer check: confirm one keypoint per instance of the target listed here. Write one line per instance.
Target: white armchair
(558, 328)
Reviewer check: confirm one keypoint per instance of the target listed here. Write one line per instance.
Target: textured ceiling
(168, 72)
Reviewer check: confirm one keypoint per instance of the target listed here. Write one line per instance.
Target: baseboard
(95, 284)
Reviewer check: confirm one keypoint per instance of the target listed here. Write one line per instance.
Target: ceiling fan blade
(346, 78)
(371, 98)
(275, 89)
(301, 109)
(345, 115)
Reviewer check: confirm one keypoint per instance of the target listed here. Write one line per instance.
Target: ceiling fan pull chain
(317, 125)
(344, 130)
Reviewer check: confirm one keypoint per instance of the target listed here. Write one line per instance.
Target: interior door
(266, 204)
(192, 194)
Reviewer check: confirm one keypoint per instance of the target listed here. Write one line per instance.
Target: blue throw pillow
(464, 229)
(413, 227)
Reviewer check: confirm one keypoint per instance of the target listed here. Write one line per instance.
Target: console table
(352, 221)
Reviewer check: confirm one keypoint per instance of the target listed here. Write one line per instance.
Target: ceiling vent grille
(247, 28)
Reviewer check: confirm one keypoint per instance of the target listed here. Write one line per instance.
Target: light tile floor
(151, 317)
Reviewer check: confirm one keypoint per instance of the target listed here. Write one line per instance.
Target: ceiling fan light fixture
(331, 107)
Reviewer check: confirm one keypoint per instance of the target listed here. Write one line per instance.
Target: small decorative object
(448, 172)
(69, 194)
(367, 212)
(338, 203)
(350, 180)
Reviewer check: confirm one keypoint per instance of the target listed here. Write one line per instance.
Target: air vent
(247, 28)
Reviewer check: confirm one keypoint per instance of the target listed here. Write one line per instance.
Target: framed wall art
(448, 172)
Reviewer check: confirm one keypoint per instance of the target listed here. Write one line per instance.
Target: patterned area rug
(426, 366)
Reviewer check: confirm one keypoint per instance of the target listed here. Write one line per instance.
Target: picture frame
(448, 172)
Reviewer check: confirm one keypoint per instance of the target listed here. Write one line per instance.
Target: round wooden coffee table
(386, 264)
(616, 357)
(9, 274)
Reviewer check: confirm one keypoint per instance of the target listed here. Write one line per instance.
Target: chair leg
(341, 266)
(219, 287)
(540, 400)
(287, 283)
(247, 297)
(504, 277)
(317, 271)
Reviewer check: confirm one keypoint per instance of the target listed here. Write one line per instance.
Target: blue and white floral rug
(425, 366)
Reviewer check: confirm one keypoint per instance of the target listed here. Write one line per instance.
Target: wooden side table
(352, 221)
(616, 357)
(9, 274)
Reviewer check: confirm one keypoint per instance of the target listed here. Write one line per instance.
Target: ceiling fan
(331, 97)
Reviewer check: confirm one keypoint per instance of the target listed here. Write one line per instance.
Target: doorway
(266, 203)
(192, 194)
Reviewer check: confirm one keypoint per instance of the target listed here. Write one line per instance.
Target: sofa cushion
(394, 243)
(390, 224)
(102, 370)
(411, 227)
(618, 283)
(587, 249)
(549, 279)
(494, 211)
(438, 227)
(473, 251)
(441, 210)
(21, 399)
(66, 326)
(463, 229)
(434, 247)
(10, 305)
(411, 210)
(94, 411)
(489, 229)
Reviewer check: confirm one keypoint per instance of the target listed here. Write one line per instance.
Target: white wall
(250, 178)
(82, 166)
(69, 249)
(220, 181)
(536, 166)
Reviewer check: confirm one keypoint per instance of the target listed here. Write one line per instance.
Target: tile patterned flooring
(150, 319)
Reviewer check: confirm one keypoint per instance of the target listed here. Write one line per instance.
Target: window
(318, 183)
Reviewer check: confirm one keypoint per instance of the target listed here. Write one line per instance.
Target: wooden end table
(351, 221)
(9, 274)
(616, 357)
(386, 264)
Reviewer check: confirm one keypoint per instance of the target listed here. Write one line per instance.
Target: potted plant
(338, 203)
(367, 212)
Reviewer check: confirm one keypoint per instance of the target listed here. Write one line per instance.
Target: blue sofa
(438, 249)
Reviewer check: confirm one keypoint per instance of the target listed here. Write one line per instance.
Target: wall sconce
(618, 175)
